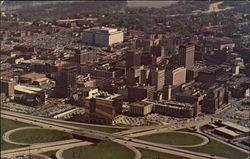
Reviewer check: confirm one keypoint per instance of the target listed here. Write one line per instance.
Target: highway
(43, 122)
(147, 130)
(43, 147)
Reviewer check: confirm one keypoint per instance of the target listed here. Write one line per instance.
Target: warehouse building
(222, 131)
(174, 108)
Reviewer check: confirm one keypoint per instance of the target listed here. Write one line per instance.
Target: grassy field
(173, 138)
(88, 126)
(39, 136)
(36, 157)
(102, 150)
(7, 125)
(51, 154)
(204, 128)
(93, 127)
(220, 149)
(148, 154)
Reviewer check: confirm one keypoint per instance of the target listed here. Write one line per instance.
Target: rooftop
(141, 104)
(103, 95)
(223, 40)
(226, 131)
(173, 104)
(33, 75)
(102, 30)
(236, 126)
(27, 89)
(212, 69)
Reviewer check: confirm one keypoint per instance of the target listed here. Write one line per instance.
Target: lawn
(39, 136)
(220, 149)
(173, 138)
(204, 128)
(51, 154)
(102, 150)
(98, 128)
(88, 126)
(7, 125)
(36, 157)
(148, 154)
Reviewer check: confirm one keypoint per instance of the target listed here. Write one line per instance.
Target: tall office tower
(137, 93)
(7, 87)
(134, 75)
(175, 76)
(186, 56)
(144, 76)
(84, 57)
(133, 58)
(167, 92)
(199, 53)
(66, 81)
(157, 78)
(157, 50)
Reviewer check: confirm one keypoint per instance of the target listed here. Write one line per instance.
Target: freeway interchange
(114, 137)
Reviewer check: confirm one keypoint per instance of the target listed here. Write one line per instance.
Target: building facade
(66, 81)
(173, 108)
(175, 76)
(84, 57)
(157, 78)
(136, 93)
(133, 58)
(140, 108)
(102, 36)
(7, 87)
(102, 107)
(186, 56)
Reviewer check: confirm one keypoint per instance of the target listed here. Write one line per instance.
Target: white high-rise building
(102, 36)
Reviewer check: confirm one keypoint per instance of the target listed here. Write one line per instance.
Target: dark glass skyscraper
(66, 81)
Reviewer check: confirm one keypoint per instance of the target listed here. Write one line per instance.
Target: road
(42, 122)
(235, 104)
(213, 7)
(228, 144)
(43, 147)
(147, 130)
(59, 154)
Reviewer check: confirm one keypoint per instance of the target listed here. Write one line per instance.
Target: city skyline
(125, 79)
